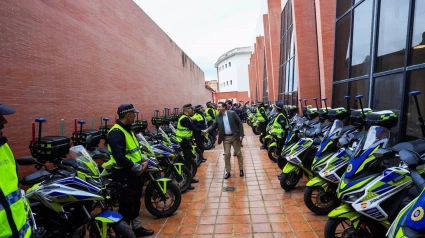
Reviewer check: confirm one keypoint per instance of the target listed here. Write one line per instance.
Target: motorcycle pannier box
(356, 116)
(386, 118)
(312, 113)
(104, 131)
(323, 113)
(51, 147)
(337, 113)
(81, 139)
(140, 125)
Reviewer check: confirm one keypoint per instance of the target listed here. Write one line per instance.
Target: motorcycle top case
(312, 113)
(96, 134)
(50, 147)
(356, 116)
(337, 113)
(323, 113)
(140, 125)
(386, 118)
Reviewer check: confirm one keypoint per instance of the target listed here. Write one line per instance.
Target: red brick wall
(78, 59)
(306, 50)
(274, 10)
(240, 96)
(325, 18)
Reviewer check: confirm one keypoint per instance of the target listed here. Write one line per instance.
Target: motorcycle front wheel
(159, 208)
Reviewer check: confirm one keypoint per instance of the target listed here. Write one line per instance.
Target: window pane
(289, 13)
(287, 76)
(295, 76)
(362, 32)
(342, 6)
(292, 47)
(288, 43)
(392, 34)
(291, 75)
(356, 88)
(383, 100)
(418, 36)
(340, 91)
(342, 51)
(415, 82)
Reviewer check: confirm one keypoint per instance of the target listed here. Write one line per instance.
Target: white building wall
(233, 73)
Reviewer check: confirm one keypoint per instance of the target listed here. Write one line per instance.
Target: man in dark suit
(230, 131)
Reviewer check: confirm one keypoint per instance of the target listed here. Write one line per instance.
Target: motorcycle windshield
(85, 163)
(172, 128)
(165, 137)
(375, 134)
(144, 145)
(335, 129)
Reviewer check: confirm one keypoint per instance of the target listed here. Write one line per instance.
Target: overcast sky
(206, 29)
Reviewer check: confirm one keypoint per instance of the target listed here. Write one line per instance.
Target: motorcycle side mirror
(343, 142)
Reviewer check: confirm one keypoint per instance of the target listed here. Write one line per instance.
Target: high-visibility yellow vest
(13, 202)
(276, 127)
(207, 114)
(259, 115)
(132, 148)
(183, 132)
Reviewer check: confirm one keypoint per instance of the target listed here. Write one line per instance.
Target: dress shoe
(234, 154)
(241, 173)
(139, 232)
(194, 180)
(227, 175)
(190, 187)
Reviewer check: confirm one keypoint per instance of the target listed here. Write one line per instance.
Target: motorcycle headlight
(350, 198)
(318, 168)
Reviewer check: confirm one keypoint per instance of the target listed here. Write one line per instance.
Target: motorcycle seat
(36, 177)
(347, 128)
(411, 158)
(417, 146)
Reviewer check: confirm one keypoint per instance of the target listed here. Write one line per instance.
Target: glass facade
(288, 85)
(380, 53)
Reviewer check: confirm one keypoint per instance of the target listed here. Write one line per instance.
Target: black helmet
(279, 105)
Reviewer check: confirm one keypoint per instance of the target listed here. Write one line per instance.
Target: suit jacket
(234, 122)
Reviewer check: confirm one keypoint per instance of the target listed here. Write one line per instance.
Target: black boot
(141, 231)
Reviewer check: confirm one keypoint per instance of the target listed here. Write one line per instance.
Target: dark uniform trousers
(130, 195)
(186, 146)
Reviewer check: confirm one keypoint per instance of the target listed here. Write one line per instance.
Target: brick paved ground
(258, 208)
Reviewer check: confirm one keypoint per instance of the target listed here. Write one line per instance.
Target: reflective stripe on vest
(259, 116)
(183, 132)
(207, 114)
(132, 148)
(13, 201)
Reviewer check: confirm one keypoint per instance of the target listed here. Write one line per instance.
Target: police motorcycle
(162, 196)
(331, 160)
(167, 159)
(374, 187)
(301, 155)
(296, 125)
(272, 146)
(164, 122)
(63, 198)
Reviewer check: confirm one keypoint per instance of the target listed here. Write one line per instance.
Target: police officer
(184, 135)
(262, 119)
(199, 123)
(279, 126)
(13, 215)
(209, 113)
(124, 148)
